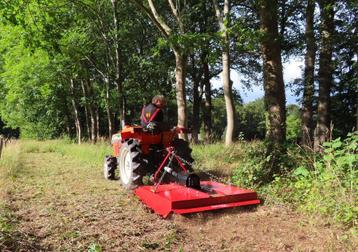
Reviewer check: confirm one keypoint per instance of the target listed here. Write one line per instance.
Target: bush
(249, 172)
(328, 186)
(293, 123)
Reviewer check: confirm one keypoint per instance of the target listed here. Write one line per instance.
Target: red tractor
(138, 153)
(167, 161)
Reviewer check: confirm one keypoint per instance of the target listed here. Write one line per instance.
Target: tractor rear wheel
(183, 150)
(109, 167)
(131, 164)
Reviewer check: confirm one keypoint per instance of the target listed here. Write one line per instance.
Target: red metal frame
(170, 152)
(180, 164)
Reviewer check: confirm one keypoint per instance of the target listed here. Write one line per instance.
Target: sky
(291, 70)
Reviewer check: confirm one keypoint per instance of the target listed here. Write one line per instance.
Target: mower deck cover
(182, 200)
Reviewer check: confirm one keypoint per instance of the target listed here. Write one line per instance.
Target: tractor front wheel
(131, 165)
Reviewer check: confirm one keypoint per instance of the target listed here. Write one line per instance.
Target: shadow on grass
(16, 241)
(203, 217)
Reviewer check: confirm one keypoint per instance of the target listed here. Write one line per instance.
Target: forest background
(77, 69)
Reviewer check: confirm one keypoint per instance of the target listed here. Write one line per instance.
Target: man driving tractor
(152, 115)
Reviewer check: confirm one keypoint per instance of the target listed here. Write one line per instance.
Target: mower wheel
(109, 167)
(131, 164)
(183, 150)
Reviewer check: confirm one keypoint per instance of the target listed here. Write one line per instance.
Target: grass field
(54, 198)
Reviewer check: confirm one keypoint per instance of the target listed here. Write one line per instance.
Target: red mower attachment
(189, 194)
(180, 199)
(168, 162)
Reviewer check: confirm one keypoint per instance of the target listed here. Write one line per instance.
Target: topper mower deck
(168, 162)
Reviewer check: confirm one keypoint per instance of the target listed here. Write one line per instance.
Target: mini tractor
(166, 160)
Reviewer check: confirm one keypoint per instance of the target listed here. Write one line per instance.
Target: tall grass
(10, 161)
(317, 183)
(220, 159)
(92, 154)
(10, 164)
(326, 183)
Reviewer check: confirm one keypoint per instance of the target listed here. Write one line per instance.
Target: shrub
(249, 172)
(328, 186)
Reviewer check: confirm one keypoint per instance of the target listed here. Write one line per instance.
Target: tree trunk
(207, 105)
(273, 85)
(1, 145)
(196, 102)
(356, 129)
(98, 123)
(118, 65)
(307, 111)
(86, 106)
(75, 112)
(68, 127)
(108, 109)
(206, 85)
(91, 109)
(325, 72)
(180, 64)
(196, 113)
(223, 19)
(94, 126)
(230, 109)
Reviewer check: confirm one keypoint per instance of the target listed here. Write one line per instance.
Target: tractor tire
(109, 167)
(131, 164)
(183, 150)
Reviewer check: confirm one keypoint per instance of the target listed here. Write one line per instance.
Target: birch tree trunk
(118, 65)
(307, 111)
(356, 129)
(196, 77)
(75, 112)
(108, 109)
(207, 105)
(86, 106)
(93, 126)
(325, 72)
(98, 123)
(223, 20)
(180, 64)
(91, 109)
(230, 109)
(273, 85)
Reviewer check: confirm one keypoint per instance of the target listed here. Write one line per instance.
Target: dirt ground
(57, 203)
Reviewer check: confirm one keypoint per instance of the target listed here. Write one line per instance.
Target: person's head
(159, 101)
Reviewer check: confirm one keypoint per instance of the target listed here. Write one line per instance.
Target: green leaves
(334, 182)
(293, 123)
(301, 171)
(188, 42)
